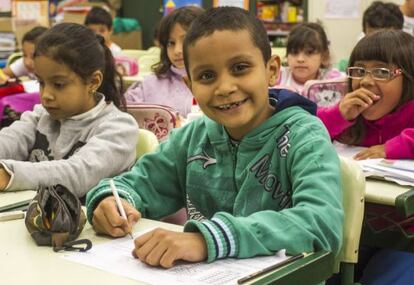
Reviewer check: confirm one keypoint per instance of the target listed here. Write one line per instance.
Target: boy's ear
(95, 81)
(274, 68)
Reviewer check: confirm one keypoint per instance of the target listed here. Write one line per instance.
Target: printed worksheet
(115, 256)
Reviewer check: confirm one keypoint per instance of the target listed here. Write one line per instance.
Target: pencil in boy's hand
(118, 203)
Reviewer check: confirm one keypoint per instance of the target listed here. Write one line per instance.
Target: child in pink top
(167, 85)
(307, 56)
(378, 111)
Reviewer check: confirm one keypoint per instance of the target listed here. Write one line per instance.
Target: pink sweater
(395, 130)
(171, 91)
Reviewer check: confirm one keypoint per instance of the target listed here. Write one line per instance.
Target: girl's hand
(107, 220)
(355, 102)
(161, 247)
(376, 151)
(4, 179)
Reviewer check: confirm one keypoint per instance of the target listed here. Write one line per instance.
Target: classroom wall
(342, 33)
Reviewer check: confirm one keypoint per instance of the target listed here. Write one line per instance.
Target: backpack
(158, 119)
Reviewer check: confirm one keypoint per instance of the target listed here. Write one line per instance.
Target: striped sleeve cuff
(219, 235)
(94, 199)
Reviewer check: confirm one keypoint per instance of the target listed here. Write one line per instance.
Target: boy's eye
(240, 67)
(206, 76)
(170, 43)
(58, 85)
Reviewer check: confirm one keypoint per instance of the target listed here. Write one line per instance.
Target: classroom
(207, 142)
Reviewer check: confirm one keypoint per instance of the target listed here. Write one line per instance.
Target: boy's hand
(162, 247)
(354, 103)
(4, 179)
(107, 220)
(376, 151)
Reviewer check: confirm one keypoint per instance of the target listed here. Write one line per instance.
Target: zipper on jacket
(233, 150)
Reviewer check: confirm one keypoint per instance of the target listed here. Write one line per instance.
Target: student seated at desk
(257, 174)
(167, 85)
(78, 135)
(308, 57)
(377, 113)
(100, 21)
(24, 66)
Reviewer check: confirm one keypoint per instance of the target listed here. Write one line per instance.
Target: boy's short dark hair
(380, 15)
(99, 16)
(227, 18)
(32, 35)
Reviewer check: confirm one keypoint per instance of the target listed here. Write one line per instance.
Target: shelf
(277, 33)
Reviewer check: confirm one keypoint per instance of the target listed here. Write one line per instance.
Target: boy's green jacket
(278, 188)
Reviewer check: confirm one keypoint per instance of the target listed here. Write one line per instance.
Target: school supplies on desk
(380, 168)
(55, 217)
(118, 202)
(115, 256)
(399, 171)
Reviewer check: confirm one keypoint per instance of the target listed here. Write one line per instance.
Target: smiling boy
(257, 173)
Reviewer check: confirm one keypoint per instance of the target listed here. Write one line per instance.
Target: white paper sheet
(342, 9)
(115, 257)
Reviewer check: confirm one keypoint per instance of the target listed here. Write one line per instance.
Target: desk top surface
(383, 192)
(22, 262)
(8, 198)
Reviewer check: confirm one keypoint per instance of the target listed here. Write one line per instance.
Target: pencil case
(126, 66)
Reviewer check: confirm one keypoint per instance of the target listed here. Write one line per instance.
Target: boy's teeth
(228, 106)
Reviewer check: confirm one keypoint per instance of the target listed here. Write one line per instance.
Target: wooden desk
(389, 216)
(15, 200)
(23, 262)
(391, 194)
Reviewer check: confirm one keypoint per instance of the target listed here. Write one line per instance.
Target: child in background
(258, 173)
(167, 86)
(308, 57)
(380, 15)
(377, 113)
(78, 135)
(408, 11)
(24, 66)
(100, 21)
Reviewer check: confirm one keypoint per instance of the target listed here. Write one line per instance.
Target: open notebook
(399, 171)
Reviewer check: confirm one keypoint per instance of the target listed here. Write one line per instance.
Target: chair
(326, 92)
(154, 50)
(13, 57)
(353, 186)
(158, 119)
(146, 62)
(147, 142)
(134, 53)
(318, 266)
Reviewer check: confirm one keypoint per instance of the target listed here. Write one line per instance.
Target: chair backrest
(146, 62)
(13, 57)
(325, 92)
(158, 119)
(353, 187)
(134, 53)
(154, 50)
(147, 142)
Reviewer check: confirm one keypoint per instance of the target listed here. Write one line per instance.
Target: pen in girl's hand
(118, 203)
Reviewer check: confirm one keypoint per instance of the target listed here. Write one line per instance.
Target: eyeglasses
(379, 74)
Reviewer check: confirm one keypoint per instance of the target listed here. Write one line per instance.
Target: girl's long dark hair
(183, 16)
(393, 47)
(83, 52)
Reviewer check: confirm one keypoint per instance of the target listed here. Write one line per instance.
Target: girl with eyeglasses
(377, 113)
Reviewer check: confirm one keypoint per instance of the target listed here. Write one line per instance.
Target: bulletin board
(170, 5)
(235, 3)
